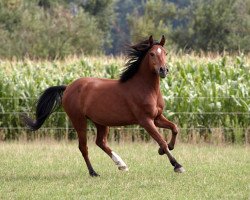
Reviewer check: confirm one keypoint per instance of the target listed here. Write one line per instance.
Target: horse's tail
(48, 102)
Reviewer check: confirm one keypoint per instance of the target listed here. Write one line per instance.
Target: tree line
(57, 28)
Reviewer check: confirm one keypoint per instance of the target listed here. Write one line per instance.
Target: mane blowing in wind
(135, 54)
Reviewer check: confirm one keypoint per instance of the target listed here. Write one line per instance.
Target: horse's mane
(135, 55)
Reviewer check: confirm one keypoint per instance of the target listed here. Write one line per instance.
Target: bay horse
(133, 99)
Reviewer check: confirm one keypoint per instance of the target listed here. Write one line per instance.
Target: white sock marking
(119, 162)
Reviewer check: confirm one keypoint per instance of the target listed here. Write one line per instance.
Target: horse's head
(157, 57)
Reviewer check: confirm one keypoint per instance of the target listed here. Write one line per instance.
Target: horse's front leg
(162, 122)
(150, 127)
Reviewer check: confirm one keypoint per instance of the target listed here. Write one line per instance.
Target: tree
(214, 25)
(207, 25)
(240, 29)
(30, 30)
(103, 11)
(156, 20)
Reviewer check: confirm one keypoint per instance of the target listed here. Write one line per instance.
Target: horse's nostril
(166, 69)
(161, 69)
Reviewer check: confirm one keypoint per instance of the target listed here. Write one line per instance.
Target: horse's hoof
(161, 151)
(93, 174)
(170, 147)
(123, 168)
(179, 169)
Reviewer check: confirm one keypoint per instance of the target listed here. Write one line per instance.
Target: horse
(135, 98)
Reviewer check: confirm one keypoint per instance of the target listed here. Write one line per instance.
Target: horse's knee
(162, 151)
(175, 130)
(163, 148)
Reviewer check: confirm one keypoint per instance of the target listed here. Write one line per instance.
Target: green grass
(50, 170)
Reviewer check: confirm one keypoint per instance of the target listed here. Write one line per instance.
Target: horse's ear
(151, 40)
(162, 42)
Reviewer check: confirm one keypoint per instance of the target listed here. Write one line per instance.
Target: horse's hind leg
(80, 125)
(101, 141)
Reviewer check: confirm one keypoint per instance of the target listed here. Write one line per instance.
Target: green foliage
(31, 31)
(103, 11)
(121, 29)
(214, 25)
(224, 91)
(200, 93)
(57, 28)
(156, 20)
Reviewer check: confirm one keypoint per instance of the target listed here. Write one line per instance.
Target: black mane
(135, 55)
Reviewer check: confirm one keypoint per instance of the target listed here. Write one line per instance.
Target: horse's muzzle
(163, 71)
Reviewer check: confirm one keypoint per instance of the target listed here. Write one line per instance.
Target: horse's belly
(109, 115)
(112, 122)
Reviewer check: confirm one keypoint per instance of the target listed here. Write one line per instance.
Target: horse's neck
(147, 79)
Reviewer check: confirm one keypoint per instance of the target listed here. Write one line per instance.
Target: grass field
(50, 170)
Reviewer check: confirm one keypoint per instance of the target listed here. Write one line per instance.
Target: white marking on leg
(119, 162)
(159, 50)
(180, 170)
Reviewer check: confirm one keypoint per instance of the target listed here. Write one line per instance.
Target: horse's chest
(159, 107)
(154, 107)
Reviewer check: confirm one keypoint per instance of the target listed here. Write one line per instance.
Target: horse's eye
(152, 54)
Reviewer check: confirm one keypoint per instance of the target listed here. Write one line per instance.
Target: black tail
(48, 102)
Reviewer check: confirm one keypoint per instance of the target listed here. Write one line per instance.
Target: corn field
(206, 96)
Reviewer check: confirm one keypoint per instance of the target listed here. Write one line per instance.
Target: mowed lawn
(51, 170)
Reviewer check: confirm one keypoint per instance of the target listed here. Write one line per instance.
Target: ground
(51, 170)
